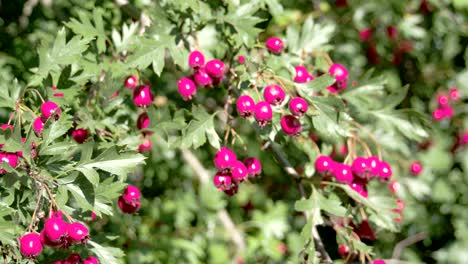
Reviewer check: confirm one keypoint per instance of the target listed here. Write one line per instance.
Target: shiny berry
(46, 241)
(360, 167)
(438, 114)
(91, 260)
(273, 94)
(254, 167)
(448, 111)
(55, 229)
(74, 258)
(38, 125)
(222, 181)
(50, 108)
(131, 82)
(274, 45)
(385, 171)
(143, 121)
(298, 106)
(239, 171)
(442, 99)
(215, 68)
(324, 164)
(142, 96)
(187, 88)
(245, 106)
(78, 232)
(10, 158)
(128, 208)
(263, 113)
(359, 188)
(374, 166)
(131, 194)
(378, 261)
(30, 245)
(196, 59)
(80, 135)
(241, 59)
(343, 250)
(416, 168)
(225, 159)
(454, 94)
(302, 75)
(339, 72)
(202, 78)
(342, 173)
(146, 145)
(290, 125)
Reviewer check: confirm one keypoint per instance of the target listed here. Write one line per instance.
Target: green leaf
(245, 27)
(107, 255)
(149, 51)
(316, 85)
(85, 28)
(55, 129)
(199, 129)
(124, 41)
(411, 124)
(10, 93)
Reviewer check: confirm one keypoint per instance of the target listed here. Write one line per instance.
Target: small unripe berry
(91, 260)
(263, 113)
(78, 232)
(50, 108)
(187, 88)
(245, 106)
(339, 72)
(454, 94)
(6, 126)
(196, 59)
(80, 135)
(225, 159)
(400, 206)
(324, 164)
(416, 168)
(298, 106)
(131, 82)
(274, 45)
(239, 171)
(274, 94)
(55, 229)
(254, 167)
(385, 171)
(302, 75)
(30, 245)
(142, 96)
(342, 173)
(222, 181)
(215, 68)
(202, 78)
(291, 125)
(442, 100)
(360, 167)
(128, 208)
(394, 186)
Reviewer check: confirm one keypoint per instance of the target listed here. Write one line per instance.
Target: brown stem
(30, 228)
(371, 136)
(407, 242)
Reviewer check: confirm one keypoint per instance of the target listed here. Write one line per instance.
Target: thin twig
(30, 228)
(407, 242)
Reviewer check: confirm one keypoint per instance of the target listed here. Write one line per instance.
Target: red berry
(241, 59)
(10, 158)
(254, 167)
(74, 258)
(274, 45)
(46, 241)
(273, 94)
(282, 248)
(416, 168)
(196, 59)
(332, 89)
(394, 186)
(360, 167)
(80, 135)
(225, 159)
(245, 106)
(128, 208)
(447, 111)
(263, 113)
(215, 68)
(365, 34)
(142, 96)
(38, 125)
(146, 145)
(202, 78)
(131, 194)
(78, 232)
(91, 260)
(442, 100)
(324, 164)
(291, 125)
(30, 245)
(343, 250)
(372, 54)
(239, 171)
(298, 106)
(378, 261)
(131, 82)
(232, 190)
(392, 32)
(438, 114)
(385, 171)
(50, 108)
(339, 72)
(187, 88)
(454, 94)
(143, 122)
(222, 181)
(342, 173)
(302, 75)
(55, 229)
(359, 188)
(374, 166)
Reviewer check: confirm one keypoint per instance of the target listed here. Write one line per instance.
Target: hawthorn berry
(274, 94)
(241, 59)
(55, 229)
(360, 167)
(30, 245)
(438, 114)
(146, 145)
(50, 108)
(385, 171)
(74, 258)
(394, 186)
(91, 260)
(215, 68)
(359, 188)
(131, 194)
(302, 75)
(202, 78)
(4, 127)
(10, 158)
(225, 159)
(342, 173)
(80, 135)
(454, 94)
(222, 181)
(324, 164)
(239, 171)
(78, 232)
(392, 32)
(196, 59)
(332, 89)
(447, 111)
(187, 88)
(131, 82)
(378, 261)
(232, 190)
(416, 168)
(339, 72)
(38, 125)
(298, 106)
(442, 100)
(143, 122)
(374, 166)
(245, 106)
(274, 45)
(365, 34)
(128, 208)
(254, 167)
(142, 96)
(263, 113)
(47, 242)
(343, 250)
(290, 125)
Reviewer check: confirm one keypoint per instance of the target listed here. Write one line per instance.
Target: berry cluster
(75, 258)
(444, 109)
(48, 109)
(130, 200)
(232, 172)
(207, 75)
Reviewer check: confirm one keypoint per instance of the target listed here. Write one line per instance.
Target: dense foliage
(234, 131)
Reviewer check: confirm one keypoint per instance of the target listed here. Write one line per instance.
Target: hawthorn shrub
(233, 132)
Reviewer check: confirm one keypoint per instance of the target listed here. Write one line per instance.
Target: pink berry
(442, 100)
(438, 114)
(273, 94)
(254, 167)
(74, 258)
(394, 186)
(131, 194)
(143, 122)
(291, 125)
(245, 106)
(298, 106)
(187, 88)
(343, 250)
(365, 34)
(91, 260)
(448, 111)
(30, 245)
(78, 232)
(46, 241)
(385, 171)
(128, 208)
(339, 72)
(378, 261)
(342, 173)
(196, 59)
(360, 167)
(416, 168)
(239, 171)
(331, 89)
(222, 181)
(10, 158)
(359, 188)
(50, 108)
(392, 32)
(263, 113)
(302, 75)
(55, 229)
(241, 59)
(202, 78)
(274, 45)
(93, 216)
(131, 82)
(225, 159)
(142, 96)
(454, 94)
(38, 125)
(80, 135)
(324, 164)
(374, 166)
(215, 68)
(146, 145)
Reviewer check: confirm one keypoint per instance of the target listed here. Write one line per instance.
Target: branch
(407, 242)
(133, 12)
(204, 177)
